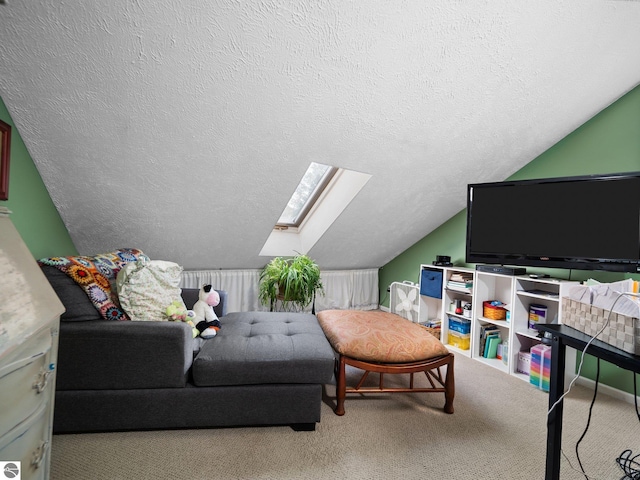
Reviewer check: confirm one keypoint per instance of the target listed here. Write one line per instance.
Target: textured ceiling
(182, 128)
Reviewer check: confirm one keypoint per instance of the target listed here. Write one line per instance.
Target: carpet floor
(498, 431)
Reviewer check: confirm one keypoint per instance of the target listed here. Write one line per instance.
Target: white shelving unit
(490, 287)
(545, 292)
(517, 292)
(440, 308)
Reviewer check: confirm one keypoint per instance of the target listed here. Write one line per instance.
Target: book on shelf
(433, 323)
(492, 346)
(486, 331)
(542, 293)
(487, 343)
(461, 277)
(460, 286)
(461, 290)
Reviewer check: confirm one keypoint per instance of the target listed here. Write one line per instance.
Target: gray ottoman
(275, 351)
(263, 348)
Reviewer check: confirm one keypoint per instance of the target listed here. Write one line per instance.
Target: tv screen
(588, 222)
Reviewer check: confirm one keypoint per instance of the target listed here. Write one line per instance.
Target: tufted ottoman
(272, 350)
(383, 342)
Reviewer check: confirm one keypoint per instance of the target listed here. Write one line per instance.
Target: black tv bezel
(568, 263)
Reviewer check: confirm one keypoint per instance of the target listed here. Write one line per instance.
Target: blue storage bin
(459, 325)
(431, 283)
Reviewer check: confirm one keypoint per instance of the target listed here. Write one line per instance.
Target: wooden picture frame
(5, 145)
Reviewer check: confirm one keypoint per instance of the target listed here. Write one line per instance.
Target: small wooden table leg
(341, 387)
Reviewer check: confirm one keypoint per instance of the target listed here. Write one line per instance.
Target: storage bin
(540, 368)
(623, 332)
(524, 363)
(459, 325)
(493, 312)
(431, 283)
(460, 340)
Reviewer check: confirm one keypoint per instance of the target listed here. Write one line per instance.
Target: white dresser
(29, 321)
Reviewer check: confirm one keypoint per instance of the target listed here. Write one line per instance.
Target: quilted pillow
(147, 287)
(96, 276)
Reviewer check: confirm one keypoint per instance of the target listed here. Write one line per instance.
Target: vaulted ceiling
(182, 128)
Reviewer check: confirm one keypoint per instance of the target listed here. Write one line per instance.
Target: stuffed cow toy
(206, 320)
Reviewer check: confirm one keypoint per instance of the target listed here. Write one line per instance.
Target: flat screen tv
(587, 222)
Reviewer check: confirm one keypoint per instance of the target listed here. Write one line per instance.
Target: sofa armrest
(221, 308)
(112, 355)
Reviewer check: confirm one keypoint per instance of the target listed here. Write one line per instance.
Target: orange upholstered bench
(382, 342)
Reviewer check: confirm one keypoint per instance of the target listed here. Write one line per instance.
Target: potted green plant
(291, 283)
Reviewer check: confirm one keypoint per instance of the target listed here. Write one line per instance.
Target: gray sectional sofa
(262, 368)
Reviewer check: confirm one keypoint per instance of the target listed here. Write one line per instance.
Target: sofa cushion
(265, 347)
(78, 307)
(106, 355)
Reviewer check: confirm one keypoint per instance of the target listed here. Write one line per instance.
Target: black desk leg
(554, 420)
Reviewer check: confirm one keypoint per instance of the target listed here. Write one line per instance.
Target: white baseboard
(606, 389)
(384, 309)
(571, 366)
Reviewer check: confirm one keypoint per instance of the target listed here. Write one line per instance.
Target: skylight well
(321, 196)
(313, 183)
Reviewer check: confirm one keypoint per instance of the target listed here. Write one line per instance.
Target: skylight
(314, 181)
(322, 195)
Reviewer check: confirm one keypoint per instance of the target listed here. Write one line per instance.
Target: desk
(563, 336)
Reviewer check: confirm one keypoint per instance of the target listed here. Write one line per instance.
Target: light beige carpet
(498, 431)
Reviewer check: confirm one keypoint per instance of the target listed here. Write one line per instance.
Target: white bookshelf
(517, 292)
(440, 308)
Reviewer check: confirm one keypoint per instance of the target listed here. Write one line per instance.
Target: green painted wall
(608, 143)
(33, 213)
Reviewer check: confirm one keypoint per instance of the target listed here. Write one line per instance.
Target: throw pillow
(147, 287)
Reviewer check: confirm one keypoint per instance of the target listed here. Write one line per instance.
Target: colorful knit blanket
(97, 277)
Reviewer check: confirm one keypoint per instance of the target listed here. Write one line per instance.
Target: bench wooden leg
(341, 387)
(431, 368)
(449, 387)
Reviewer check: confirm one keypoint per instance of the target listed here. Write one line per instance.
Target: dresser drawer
(26, 383)
(29, 445)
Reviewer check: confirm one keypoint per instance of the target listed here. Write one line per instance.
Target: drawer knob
(40, 453)
(41, 382)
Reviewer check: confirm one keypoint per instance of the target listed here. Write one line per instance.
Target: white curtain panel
(349, 290)
(344, 289)
(241, 286)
